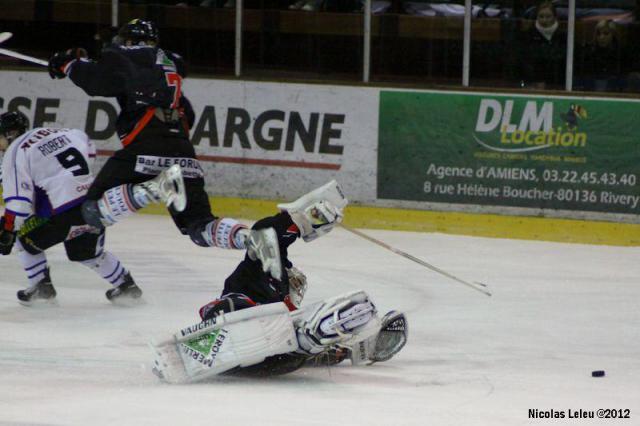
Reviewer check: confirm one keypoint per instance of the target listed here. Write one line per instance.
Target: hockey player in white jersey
(46, 175)
(258, 327)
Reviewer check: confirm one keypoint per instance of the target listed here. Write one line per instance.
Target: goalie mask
(297, 286)
(317, 212)
(392, 337)
(385, 344)
(12, 125)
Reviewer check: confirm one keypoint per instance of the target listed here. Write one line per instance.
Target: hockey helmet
(12, 125)
(139, 31)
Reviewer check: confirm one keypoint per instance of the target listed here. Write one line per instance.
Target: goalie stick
(419, 261)
(27, 58)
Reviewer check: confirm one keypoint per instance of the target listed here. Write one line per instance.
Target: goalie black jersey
(249, 278)
(139, 77)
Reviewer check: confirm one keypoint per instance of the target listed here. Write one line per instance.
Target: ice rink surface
(558, 312)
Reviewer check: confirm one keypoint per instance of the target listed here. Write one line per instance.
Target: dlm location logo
(528, 125)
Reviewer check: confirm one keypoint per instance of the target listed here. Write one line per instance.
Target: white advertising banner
(256, 140)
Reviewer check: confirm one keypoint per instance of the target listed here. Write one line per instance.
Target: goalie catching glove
(316, 213)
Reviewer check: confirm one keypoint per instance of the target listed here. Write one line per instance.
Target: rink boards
(410, 160)
(481, 225)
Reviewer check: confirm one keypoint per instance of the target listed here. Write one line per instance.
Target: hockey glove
(7, 236)
(59, 61)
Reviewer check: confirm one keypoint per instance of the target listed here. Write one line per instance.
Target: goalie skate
(167, 187)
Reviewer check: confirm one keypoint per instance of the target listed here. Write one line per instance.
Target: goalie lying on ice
(269, 339)
(256, 326)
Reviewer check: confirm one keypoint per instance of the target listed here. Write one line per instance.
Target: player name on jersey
(39, 135)
(54, 145)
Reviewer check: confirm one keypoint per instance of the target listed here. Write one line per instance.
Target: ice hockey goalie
(270, 340)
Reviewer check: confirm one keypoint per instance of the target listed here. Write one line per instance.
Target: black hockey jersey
(250, 280)
(139, 77)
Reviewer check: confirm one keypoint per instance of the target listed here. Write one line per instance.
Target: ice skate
(126, 292)
(263, 244)
(42, 291)
(167, 187)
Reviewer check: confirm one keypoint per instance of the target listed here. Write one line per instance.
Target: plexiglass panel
(415, 41)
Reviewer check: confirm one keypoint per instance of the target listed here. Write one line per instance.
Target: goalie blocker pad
(230, 340)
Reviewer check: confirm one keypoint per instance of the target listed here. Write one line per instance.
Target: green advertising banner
(500, 150)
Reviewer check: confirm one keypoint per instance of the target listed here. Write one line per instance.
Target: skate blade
(39, 303)
(127, 302)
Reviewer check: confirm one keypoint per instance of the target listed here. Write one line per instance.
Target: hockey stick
(419, 261)
(5, 36)
(24, 57)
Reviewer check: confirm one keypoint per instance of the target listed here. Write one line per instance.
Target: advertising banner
(572, 154)
(255, 140)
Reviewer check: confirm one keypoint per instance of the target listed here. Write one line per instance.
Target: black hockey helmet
(139, 30)
(13, 124)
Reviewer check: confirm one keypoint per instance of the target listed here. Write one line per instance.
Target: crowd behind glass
(514, 44)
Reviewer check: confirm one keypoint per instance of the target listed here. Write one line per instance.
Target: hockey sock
(118, 203)
(35, 265)
(223, 233)
(108, 267)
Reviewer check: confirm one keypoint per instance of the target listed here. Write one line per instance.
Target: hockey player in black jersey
(153, 126)
(329, 331)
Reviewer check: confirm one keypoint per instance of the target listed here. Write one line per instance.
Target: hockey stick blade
(5, 36)
(24, 57)
(418, 261)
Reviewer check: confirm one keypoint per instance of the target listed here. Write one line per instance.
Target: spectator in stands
(633, 50)
(543, 51)
(603, 60)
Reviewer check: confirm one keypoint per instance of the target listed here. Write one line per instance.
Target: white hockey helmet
(317, 212)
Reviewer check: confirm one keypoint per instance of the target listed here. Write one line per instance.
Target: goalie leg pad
(237, 339)
(343, 320)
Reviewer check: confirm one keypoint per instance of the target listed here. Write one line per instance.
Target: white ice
(558, 312)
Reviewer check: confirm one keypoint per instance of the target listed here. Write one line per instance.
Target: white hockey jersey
(46, 171)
